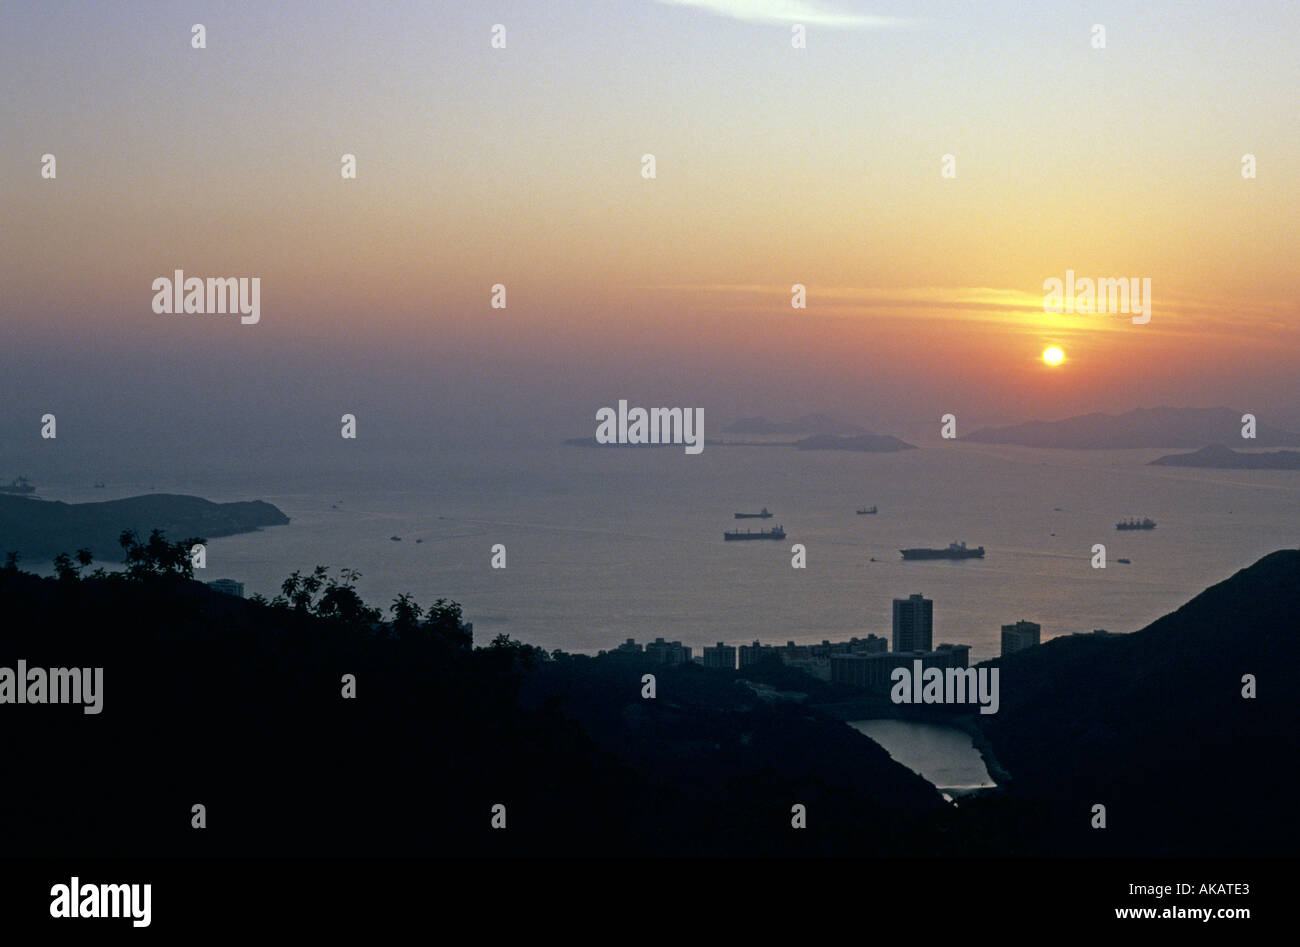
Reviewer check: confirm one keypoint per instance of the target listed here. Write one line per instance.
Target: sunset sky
(522, 166)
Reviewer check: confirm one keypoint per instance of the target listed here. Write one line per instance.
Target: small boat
(18, 485)
(1125, 561)
(1147, 523)
(419, 541)
(867, 511)
(762, 515)
(99, 485)
(396, 539)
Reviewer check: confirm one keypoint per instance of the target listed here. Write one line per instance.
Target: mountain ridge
(1162, 426)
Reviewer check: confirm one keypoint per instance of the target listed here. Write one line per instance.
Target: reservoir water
(945, 756)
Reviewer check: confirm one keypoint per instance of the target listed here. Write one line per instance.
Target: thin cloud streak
(792, 11)
(1013, 308)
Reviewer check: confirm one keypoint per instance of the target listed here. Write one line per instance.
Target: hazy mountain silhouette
(1219, 456)
(871, 443)
(592, 442)
(1142, 427)
(808, 424)
(39, 529)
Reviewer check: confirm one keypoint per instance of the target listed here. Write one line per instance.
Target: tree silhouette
(517, 652)
(406, 615)
(64, 568)
(156, 557)
(341, 602)
(443, 623)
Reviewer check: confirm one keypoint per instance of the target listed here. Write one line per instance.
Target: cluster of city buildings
(814, 659)
(657, 651)
(913, 641)
(862, 662)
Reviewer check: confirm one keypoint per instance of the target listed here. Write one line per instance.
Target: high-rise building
(668, 652)
(752, 654)
(722, 656)
(627, 651)
(1018, 637)
(913, 623)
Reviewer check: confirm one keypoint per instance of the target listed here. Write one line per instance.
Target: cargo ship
(777, 533)
(1136, 524)
(954, 551)
(762, 515)
(18, 485)
(866, 511)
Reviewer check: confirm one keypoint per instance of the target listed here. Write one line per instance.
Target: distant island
(1143, 427)
(39, 529)
(592, 442)
(868, 443)
(865, 443)
(808, 424)
(1219, 456)
(825, 433)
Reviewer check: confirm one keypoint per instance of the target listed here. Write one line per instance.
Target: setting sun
(1053, 356)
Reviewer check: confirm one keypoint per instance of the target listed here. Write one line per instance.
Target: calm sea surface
(606, 544)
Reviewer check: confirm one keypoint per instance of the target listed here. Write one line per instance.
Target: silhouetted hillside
(237, 705)
(39, 529)
(1153, 725)
(740, 759)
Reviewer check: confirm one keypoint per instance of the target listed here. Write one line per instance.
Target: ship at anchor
(954, 551)
(775, 533)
